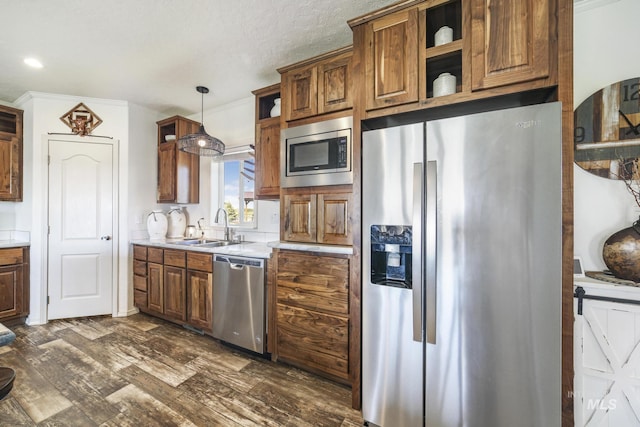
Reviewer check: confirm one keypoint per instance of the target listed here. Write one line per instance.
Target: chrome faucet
(226, 223)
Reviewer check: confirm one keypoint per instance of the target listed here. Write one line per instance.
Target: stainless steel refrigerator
(461, 275)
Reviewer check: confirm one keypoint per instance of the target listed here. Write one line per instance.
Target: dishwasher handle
(238, 263)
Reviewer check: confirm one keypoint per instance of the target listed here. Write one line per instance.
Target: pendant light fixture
(201, 143)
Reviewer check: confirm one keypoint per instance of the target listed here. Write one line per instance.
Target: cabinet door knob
(105, 238)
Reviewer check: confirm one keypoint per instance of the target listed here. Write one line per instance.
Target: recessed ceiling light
(33, 62)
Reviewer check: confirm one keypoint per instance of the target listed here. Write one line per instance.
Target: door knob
(105, 238)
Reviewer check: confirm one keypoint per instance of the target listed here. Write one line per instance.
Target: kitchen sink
(207, 243)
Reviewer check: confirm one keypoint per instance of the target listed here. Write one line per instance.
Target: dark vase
(621, 253)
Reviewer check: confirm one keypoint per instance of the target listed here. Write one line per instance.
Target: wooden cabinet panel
(334, 81)
(175, 283)
(156, 255)
(313, 282)
(268, 159)
(302, 93)
(509, 41)
(140, 252)
(175, 258)
(178, 172)
(391, 58)
(322, 218)
(200, 299)
(140, 282)
(155, 287)
(167, 171)
(11, 152)
(334, 223)
(11, 256)
(300, 217)
(200, 261)
(139, 267)
(316, 340)
(140, 299)
(312, 312)
(14, 283)
(318, 85)
(11, 303)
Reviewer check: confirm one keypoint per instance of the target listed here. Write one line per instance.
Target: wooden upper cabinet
(510, 42)
(267, 145)
(318, 218)
(302, 93)
(300, 217)
(178, 172)
(334, 224)
(319, 85)
(334, 84)
(11, 151)
(391, 58)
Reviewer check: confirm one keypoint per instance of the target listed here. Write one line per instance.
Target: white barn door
(81, 211)
(607, 364)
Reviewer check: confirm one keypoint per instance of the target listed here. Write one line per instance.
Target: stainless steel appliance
(239, 315)
(317, 154)
(461, 287)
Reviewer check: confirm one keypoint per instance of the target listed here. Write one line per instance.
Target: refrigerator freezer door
(497, 357)
(392, 362)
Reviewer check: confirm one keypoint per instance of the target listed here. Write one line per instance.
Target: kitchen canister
(445, 84)
(177, 222)
(275, 110)
(443, 36)
(157, 225)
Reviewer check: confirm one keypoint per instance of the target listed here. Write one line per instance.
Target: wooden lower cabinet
(14, 284)
(312, 313)
(175, 285)
(155, 287)
(200, 291)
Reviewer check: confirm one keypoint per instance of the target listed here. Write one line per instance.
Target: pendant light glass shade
(201, 143)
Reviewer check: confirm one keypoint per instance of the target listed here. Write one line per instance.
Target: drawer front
(11, 256)
(140, 282)
(140, 252)
(140, 298)
(139, 267)
(174, 258)
(319, 283)
(155, 255)
(200, 262)
(314, 339)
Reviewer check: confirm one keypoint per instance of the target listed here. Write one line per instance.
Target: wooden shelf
(445, 49)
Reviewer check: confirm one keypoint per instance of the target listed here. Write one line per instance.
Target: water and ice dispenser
(391, 255)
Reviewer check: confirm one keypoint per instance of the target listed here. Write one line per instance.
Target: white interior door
(80, 276)
(607, 364)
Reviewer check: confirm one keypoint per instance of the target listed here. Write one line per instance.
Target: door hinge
(48, 300)
(48, 229)
(48, 160)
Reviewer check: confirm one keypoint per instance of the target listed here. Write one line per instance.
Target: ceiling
(155, 52)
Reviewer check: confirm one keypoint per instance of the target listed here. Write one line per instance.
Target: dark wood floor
(141, 371)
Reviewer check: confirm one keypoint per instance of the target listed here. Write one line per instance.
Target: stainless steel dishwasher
(239, 315)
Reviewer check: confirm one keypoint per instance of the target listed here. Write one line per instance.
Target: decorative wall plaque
(81, 120)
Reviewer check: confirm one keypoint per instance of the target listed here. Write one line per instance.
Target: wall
(603, 54)
(42, 112)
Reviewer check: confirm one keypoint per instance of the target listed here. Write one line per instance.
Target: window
(235, 187)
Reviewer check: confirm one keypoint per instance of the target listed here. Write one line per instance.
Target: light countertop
(312, 247)
(247, 249)
(13, 243)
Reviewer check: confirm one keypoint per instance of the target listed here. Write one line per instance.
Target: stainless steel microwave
(317, 154)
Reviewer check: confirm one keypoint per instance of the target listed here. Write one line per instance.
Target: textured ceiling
(154, 52)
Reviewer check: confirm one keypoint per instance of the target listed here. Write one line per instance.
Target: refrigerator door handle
(416, 249)
(431, 205)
